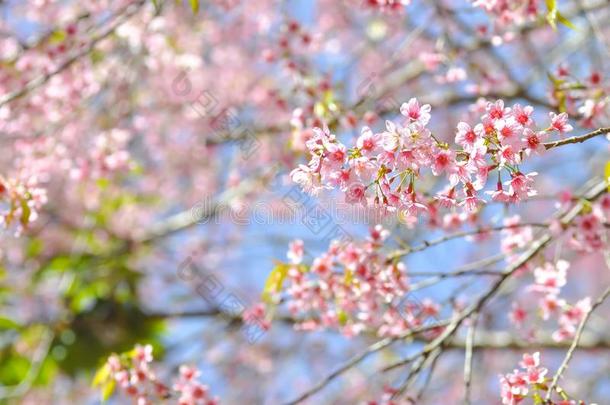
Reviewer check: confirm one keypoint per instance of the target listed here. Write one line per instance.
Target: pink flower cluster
(134, 376)
(514, 237)
(20, 201)
(382, 168)
(591, 227)
(528, 380)
(353, 287)
(549, 279)
(108, 154)
(510, 12)
(257, 316)
(582, 96)
(292, 42)
(387, 5)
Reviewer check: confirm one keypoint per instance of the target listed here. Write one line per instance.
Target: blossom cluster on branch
(135, 378)
(530, 381)
(382, 169)
(354, 288)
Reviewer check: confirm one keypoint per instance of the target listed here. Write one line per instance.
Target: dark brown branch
(577, 139)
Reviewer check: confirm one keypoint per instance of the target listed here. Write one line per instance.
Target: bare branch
(380, 345)
(468, 358)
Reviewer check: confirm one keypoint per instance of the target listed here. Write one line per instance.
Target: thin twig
(574, 345)
(426, 244)
(468, 358)
(380, 345)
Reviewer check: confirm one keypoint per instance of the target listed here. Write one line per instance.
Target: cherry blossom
(134, 376)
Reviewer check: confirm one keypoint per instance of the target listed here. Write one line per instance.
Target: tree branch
(574, 345)
(577, 139)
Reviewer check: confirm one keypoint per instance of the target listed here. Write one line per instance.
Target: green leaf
(555, 80)
(7, 324)
(34, 247)
(274, 281)
(562, 19)
(101, 376)
(103, 183)
(157, 5)
(342, 317)
(194, 5)
(107, 390)
(551, 16)
(607, 174)
(96, 56)
(25, 213)
(14, 368)
(58, 36)
(349, 276)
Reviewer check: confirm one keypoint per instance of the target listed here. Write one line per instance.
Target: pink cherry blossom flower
(414, 112)
(476, 157)
(368, 142)
(517, 315)
(336, 154)
(509, 155)
(355, 193)
(563, 70)
(308, 179)
(189, 373)
(523, 115)
(446, 200)
(143, 354)
(591, 110)
(576, 313)
(471, 203)
(604, 205)
(466, 137)
(412, 208)
(461, 172)
(550, 278)
(496, 111)
(536, 375)
(499, 195)
(550, 304)
(563, 333)
(322, 265)
(588, 223)
(509, 133)
(443, 161)
(534, 141)
(486, 127)
(341, 177)
(560, 122)
(530, 360)
(379, 233)
(521, 185)
(295, 251)
(391, 138)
